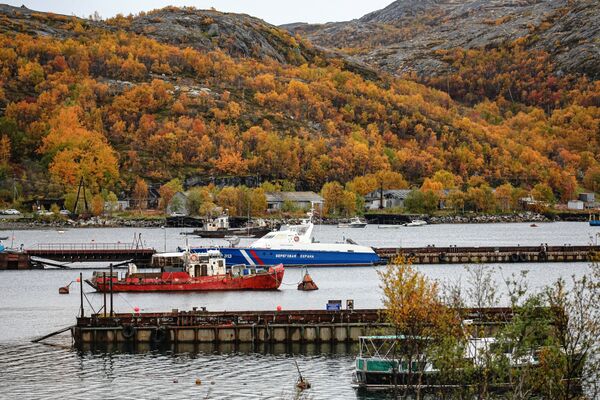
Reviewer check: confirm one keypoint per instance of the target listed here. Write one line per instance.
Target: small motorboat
(594, 220)
(416, 222)
(355, 222)
(185, 271)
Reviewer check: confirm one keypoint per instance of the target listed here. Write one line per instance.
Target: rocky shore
(488, 219)
(95, 222)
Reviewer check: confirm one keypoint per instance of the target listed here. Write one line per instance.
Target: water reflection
(220, 349)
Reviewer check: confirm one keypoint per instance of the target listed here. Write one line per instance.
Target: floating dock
(302, 326)
(296, 326)
(497, 254)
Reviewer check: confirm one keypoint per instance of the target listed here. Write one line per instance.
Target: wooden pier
(296, 326)
(75, 252)
(498, 254)
(92, 252)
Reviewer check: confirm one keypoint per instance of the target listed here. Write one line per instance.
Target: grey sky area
(274, 11)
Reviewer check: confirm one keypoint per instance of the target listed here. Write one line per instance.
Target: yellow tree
(333, 196)
(168, 190)
(230, 199)
(5, 150)
(97, 205)
(78, 152)
(503, 196)
(414, 308)
(140, 193)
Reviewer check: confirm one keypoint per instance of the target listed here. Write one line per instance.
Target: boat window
(269, 235)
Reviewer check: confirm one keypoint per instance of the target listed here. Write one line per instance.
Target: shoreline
(396, 219)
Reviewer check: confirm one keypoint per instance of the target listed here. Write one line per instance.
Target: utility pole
(81, 293)
(14, 188)
(111, 290)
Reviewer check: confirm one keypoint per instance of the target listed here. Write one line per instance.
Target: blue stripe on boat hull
(291, 258)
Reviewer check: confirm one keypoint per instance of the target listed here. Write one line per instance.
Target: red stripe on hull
(256, 257)
(175, 283)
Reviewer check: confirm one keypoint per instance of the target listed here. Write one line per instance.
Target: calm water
(31, 306)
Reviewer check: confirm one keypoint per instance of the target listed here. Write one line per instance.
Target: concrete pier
(493, 254)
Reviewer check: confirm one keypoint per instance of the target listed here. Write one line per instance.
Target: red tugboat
(191, 272)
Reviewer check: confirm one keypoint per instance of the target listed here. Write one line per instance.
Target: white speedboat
(416, 222)
(355, 222)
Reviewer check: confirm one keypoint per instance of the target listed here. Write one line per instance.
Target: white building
(391, 198)
(575, 205)
(302, 200)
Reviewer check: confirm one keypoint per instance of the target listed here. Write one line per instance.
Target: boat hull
(595, 223)
(176, 282)
(222, 233)
(294, 257)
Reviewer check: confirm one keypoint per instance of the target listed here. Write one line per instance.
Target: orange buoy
(307, 283)
(63, 290)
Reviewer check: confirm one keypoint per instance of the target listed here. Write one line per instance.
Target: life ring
(296, 238)
(522, 257)
(514, 257)
(159, 335)
(442, 257)
(194, 257)
(543, 256)
(128, 331)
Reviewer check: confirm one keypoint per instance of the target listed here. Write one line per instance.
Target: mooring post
(111, 290)
(81, 292)
(104, 293)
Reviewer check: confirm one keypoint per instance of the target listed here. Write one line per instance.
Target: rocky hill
(409, 35)
(180, 94)
(239, 35)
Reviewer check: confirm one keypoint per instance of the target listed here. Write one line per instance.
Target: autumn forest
(100, 101)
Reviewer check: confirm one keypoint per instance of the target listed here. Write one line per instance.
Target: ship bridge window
(269, 235)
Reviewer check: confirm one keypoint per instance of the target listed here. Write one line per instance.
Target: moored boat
(355, 222)
(416, 222)
(294, 246)
(594, 220)
(382, 363)
(185, 271)
(219, 228)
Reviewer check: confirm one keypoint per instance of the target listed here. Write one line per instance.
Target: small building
(587, 197)
(575, 205)
(178, 205)
(301, 200)
(391, 198)
(118, 205)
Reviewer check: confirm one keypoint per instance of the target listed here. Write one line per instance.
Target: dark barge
(492, 254)
(293, 326)
(302, 326)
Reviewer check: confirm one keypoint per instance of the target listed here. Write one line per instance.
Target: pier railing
(93, 246)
